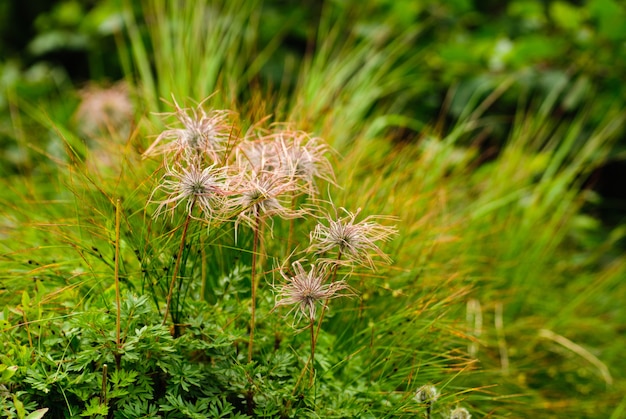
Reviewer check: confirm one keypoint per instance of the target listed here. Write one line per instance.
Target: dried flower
(460, 413)
(262, 196)
(291, 154)
(305, 289)
(208, 188)
(258, 156)
(303, 157)
(354, 241)
(104, 110)
(427, 394)
(203, 134)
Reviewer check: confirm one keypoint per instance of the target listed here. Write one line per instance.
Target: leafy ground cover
(201, 241)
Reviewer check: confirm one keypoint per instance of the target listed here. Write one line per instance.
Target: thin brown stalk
(118, 300)
(118, 210)
(312, 327)
(291, 224)
(253, 285)
(177, 265)
(332, 279)
(204, 273)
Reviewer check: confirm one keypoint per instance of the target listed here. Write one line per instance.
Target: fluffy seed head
(193, 185)
(305, 289)
(354, 241)
(258, 157)
(263, 196)
(105, 111)
(427, 394)
(460, 413)
(203, 134)
(303, 157)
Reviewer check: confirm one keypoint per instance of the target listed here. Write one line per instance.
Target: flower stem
(291, 224)
(179, 257)
(312, 327)
(316, 331)
(253, 285)
(332, 279)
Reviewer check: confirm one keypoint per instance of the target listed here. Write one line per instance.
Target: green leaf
(37, 414)
(19, 407)
(95, 408)
(7, 372)
(565, 15)
(610, 16)
(25, 300)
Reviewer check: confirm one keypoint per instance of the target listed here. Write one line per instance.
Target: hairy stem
(179, 257)
(316, 331)
(253, 285)
(332, 279)
(291, 225)
(103, 390)
(313, 337)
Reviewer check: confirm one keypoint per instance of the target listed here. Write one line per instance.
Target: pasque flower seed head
(191, 185)
(203, 134)
(355, 241)
(427, 394)
(304, 158)
(262, 196)
(305, 289)
(460, 413)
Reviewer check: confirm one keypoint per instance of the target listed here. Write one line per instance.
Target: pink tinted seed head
(262, 196)
(202, 134)
(304, 158)
(258, 157)
(191, 185)
(354, 241)
(304, 290)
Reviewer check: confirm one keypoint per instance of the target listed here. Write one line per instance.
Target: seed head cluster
(251, 180)
(268, 174)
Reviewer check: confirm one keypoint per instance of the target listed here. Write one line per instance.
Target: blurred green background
(51, 47)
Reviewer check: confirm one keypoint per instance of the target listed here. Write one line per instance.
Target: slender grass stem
(118, 300)
(299, 380)
(179, 257)
(30, 338)
(253, 285)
